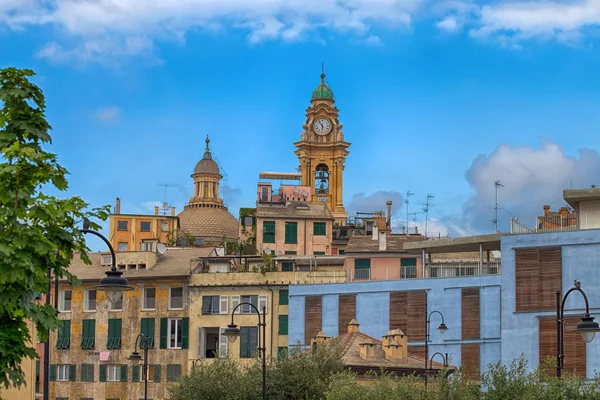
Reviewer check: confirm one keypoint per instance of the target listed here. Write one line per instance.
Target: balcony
(570, 222)
(469, 268)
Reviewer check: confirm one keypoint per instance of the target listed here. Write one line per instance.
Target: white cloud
(362, 202)
(107, 114)
(449, 24)
(531, 177)
(97, 30)
(148, 206)
(371, 40)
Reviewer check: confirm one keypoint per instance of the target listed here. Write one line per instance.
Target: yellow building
(322, 152)
(28, 390)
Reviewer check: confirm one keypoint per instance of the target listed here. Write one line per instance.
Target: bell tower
(322, 152)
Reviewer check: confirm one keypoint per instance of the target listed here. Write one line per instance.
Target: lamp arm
(433, 355)
(137, 341)
(564, 300)
(112, 251)
(433, 312)
(251, 305)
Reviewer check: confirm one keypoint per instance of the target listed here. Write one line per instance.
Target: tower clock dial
(322, 126)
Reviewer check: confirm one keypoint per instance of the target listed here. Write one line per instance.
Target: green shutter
(290, 252)
(244, 342)
(72, 373)
(64, 334)
(284, 297)
(282, 353)
(408, 262)
(362, 263)
(319, 228)
(318, 253)
(156, 373)
(123, 372)
(52, 372)
(185, 332)
(102, 372)
(291, 232)
(88, 334)
(135, 373)
(269, 232)
(92, 333)
(164, 322)
(37, 376)
(283, 324)
(83, 377)
(114, 334)
(148, 330)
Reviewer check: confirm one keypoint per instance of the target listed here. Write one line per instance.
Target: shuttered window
(319, 228)
(347, 311)
(248, 341)
(470, 360)
(362, 263)
(470, 313)
(538, 274)
(291, 232)
(408, 268)
(173, 372)
(114, 334)
(63, 341)
(87, 372)
(312, 317)
(269, 232)
(283, 297)
(575, 348)
(88, 334)
(283, 324)
(408, 313)
(147, 328)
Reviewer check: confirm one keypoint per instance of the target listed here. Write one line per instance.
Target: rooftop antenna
(408, 194)
(425, 208)
(497, 184)
(165, 204)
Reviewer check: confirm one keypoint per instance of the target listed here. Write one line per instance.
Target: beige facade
(28, 365)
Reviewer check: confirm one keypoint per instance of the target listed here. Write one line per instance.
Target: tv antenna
(425, 208)
(406, 201)
(165, 204)
(497, 185)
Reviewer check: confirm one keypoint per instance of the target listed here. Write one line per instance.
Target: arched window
(205, 188)
(322, 179)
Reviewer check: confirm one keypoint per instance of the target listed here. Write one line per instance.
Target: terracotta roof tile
(208, 221)
(294, 209)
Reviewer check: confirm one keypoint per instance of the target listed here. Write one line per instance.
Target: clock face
(322, 126)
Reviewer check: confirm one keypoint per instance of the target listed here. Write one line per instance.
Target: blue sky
(435, 97)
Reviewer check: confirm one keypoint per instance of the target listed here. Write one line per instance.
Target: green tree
(37, 230)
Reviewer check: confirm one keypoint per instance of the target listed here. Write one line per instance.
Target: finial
(207, 142)
(323, 72)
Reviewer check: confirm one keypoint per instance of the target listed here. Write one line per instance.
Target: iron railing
(568, 222)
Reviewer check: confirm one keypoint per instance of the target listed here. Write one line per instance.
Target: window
(89, 300)
(319, 228)
(147, 246)
(88, 334)
(122, 225)
(248, 341)
(164, 226)
(283, 297)
(123, 246)
(175, 298)
(145, 226)
(118, 306)
(175, 331)
(269, 232)
(149, 298)
(66, 372)
(282, 353)
(287, 266)
(408, 268)
(246, 308)
(290, 252)
(63, 340)
(341, 252)
(37, 376)
(87, 372)
(291, 232)
(147, 328)
(137, 373)
(319, 253)
(64, 301)
(215, 305)
(113, 373)
(114, 334)
(283, 324)
(362, 268)
(173, 372)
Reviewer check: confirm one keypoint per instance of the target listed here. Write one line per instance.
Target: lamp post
(442, 328)
(587, 327)
(46, 386)
(233, 332)
(444, 358)
(113, 284)
(135, 357)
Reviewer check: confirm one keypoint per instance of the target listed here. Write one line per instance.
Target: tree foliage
(37, 230)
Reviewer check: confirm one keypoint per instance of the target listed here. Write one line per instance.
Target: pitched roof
(366, 244)
(294, 209)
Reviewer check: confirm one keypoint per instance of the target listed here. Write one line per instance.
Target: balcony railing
(382, 274)
(472, 268)
(569, 222)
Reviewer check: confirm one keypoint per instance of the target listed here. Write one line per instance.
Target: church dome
(322, 92)
(207, 165)
(209, 222)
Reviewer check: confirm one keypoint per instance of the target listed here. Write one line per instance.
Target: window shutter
(123, 372)
(92, 334)
(148, 330)
(135, 373)
(284, 297)
(262, 302)
(117, 333)
(223, 343)
(312, 317)
(185, 332)
(223, 306)
(200, 347)
(206, 305)
(283, 324)
(102, 372)
(253, 340)
(91, 369)
(470, 313)
(163, 332)
(156, 372)
(347, 310)
(235, 300)
(52, 372)
(72, 373)
(83, 373)
(244, 342)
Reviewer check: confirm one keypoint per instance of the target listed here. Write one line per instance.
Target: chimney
(173, 211)
(382, 241)
(118, 206)
(320, 339)
(563, 211)
(367, 349)
(389, 213)
(375, 232)
(353, 326)
(546, 210)
(416, 230)
(155, 210)
(395, 345)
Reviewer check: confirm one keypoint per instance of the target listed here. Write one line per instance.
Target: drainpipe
(480, 258)
(424, 262)
(272, 315)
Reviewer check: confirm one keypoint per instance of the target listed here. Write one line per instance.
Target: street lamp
(442, 328)
(135, 357)
(587, 327)
(444, 358)
(113, 284)
(233, 332)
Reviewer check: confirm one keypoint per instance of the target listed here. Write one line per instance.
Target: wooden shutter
(284, 297)
(156, 373)
(245, 342)
(102, 372)
(235, 301)
(470, 313)
(408, 313)
(223, 304)
(253, 339)
(123, 372)
(200, 343)
(72, 373)
(135, 373)
(417, 350)
(283, 324)
(164, 322)
(185, 333)
(262, 302)
(223, 343)
(347, 311)
(538, 274)
(398, 313)
(575, 348)
(148, 330)
(312, 318)
(52, 372)
(470, 360)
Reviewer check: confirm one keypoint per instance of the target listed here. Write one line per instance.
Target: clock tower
(322, 152)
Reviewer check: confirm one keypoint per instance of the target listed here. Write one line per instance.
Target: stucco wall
(383, 266)
(307, 242)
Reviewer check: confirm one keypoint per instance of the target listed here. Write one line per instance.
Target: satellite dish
(165, 205)
(267, 251)
(280, 252)
(304, 193)
(295, 189)
(161, 249)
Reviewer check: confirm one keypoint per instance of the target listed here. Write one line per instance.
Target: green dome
(322, 91)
